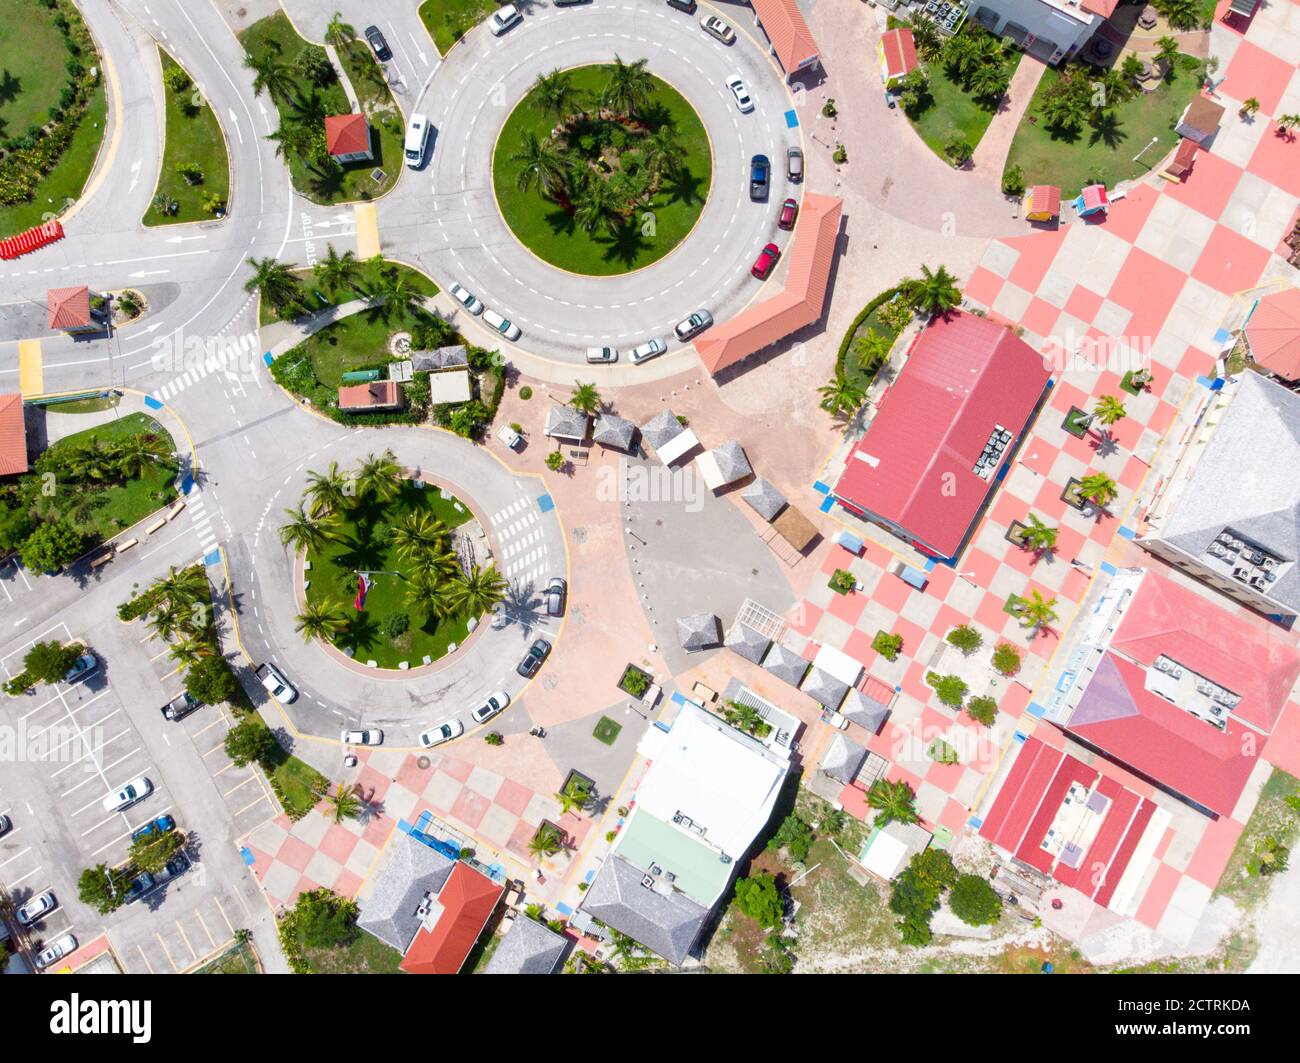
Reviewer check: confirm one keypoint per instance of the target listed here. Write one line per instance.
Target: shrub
(525, 393)
(396, 625)
(950, 689)
(51, 546)
(1013, 181)
(757, 898)
(635, 681)
(828, 109)
(842, 582)
(212, 682)
(975, 902)
(795, 836)
(983, 710)
(887, 645)
(965, 638)
(839, 156)
(176, 79)
(493, 738)
(1006, 659)
(48, 662)
(19, 684)
(555, 461)
(958, 151)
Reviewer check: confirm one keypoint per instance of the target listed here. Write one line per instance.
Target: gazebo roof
(763, 498)
(785, 664)
(731, 461)
(613, 431)
(843, 759)
(566, 423)
(662, 429)
(747, 642)
(699, 631)
(824, 687)
(866, 711)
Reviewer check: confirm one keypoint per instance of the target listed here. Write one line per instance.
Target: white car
(37, 908)
(491, 707)
(417, 140)
(503, 18)
(468, 300)
(495, 321)
(444, 732)
(649, 349)
(63, 945)
(509, 437)
(598, 355)
(738, 90)
(715, 27)
(136, 790)
(370, 737)
(275, 684)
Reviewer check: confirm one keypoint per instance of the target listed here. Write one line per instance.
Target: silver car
(444, 732)
(468, 300)
(693, 325)
(738, 90)
(37, 908)
(500, 324)
(794, 164)
(599, 355)
(491, 707)
(649, 349)
(64, 945)
(503, 18)
(371, 736)
(715, 27)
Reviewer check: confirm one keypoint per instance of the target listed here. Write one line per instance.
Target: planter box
(1077, 422)
(1071, 496)
(1015, 534)
(624, 686)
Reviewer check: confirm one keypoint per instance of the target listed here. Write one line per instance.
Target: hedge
(863, 314)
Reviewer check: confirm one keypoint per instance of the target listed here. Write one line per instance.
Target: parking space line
(199, 916)
(103, 769)
(166, 952)
(217, 901)
(86, 753)
(185, 938)
(22, 878)
(238, 787)
(16, 855)
(144, 957)
(250, 804)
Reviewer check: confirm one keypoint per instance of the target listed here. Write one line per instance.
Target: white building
(1049, 30)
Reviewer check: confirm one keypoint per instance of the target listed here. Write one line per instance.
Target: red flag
(363, 585)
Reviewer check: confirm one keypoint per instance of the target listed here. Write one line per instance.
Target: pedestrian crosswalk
(201, 521)
(521, 541)
(232, 355)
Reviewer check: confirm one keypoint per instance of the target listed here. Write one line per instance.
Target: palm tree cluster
(107, 462)
(1085, 96)
(599, 165)
(181, 610)
(977, 61)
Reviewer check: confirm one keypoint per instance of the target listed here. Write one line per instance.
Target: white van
(417, 139)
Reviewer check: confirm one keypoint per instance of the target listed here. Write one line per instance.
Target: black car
(760, 177)
(537, 653)
(180, 706)
(378, 45)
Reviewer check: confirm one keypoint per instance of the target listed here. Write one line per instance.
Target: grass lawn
(102, 512)
(853, 367)
(1272, 817)
(313, 295)
(1072, 160)
(954, 112)
(238, 959)
(550, 233)
(296, 783)
(607, 730)
(449, 20)
(32, 73)
(94, 404)
(366, 954)
(190, 138)
(333, 577)
(275, 35)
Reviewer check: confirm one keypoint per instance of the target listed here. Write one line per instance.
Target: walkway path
(991, 154)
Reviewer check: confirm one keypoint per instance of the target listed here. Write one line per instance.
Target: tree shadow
(682, 186)
(624, 245)
(1107, 130)
(561, 222)
(10, 87)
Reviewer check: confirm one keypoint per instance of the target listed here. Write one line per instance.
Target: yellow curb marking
(367, 225)
(31, 376)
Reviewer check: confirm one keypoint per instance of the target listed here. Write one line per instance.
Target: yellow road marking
(166, 952)
(185, 938)
(199, 916)
(224, 916)
(31, 377)
(367, 225)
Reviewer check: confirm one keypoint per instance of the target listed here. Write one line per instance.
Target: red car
(766, 260)
(789, 211)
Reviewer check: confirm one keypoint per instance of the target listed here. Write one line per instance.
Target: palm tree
(630, 86)
(272, 279)
(546, 842)
(478, 590)
(307, 531)
(335, 272)
(663, 152)
(544, 167)
(419, 534)
(1250, 105)
(596, 206)
(1109, 410)
(934, 292)
(291, 138)
(1036, 611)
(554, 93)
(271, 74)
(585, 397)
(427, 593)
(571, 802)
(395, 295)
(987, 80)
(1099, 489)
(1168, 49)
(309, 110)
(344, 803)
(1038, 536)
(892, 801)
(872, 348)
(1287, 122)
(320, 620)
(167, 620)
(338, 33)
(328, 492)
(925, 35)
(189, 651)
(1182, 14)
(134, 454)
(180, 588)
(841, 396)
(379, 476)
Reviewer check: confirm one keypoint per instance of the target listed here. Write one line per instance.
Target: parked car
(276, 684)
(766, 260)
(417, 140)
(647, 350)
(444, 732)
(377, 44)
(491, 707)
(495, 321)
(597, 355)
(466, 299)
(510, 437)
(537, 653)
(136, 790)
(693, 325)
(569, 3)
(177, 865)
(794, 164)
(6, 825)
(789, 211)
(760, 178)
(143, 883)
(371, 736)
(37, 908)
(715, 27)
(180, 706)
(503, 18)
(63, 945)
(737, 86)
(84, 665)
(683, 5)
(555, 594)
(161, 825)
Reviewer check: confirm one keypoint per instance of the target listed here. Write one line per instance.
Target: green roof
(700, 872)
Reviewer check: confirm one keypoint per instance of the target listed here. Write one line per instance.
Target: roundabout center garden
(602, 170)
(415, 546)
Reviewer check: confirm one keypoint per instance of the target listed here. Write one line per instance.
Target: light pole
(1146, 149)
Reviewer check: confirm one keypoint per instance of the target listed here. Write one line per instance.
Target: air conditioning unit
(648, 882)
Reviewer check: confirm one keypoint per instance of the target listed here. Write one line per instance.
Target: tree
(914, 893)
(982, 710)
(344, 803)
(320, 620)
(1168, 51)
(596, 206)
(251, 742)
(547, 841)
(320, 919)
(1109, 410)
(1250, 105)
(974, 901)
(585, 397)
(1038, 536)
(871, 349)
(308, 531)
(1006, 659)
(152, 851)
(757, 897)
(794, 836)
(1099, 489)
(1013, 181)
(1181, 14)
(418, 535)
(379, 476)
(926, 38)
(888, 645)
(51, 546)
(663, 152)
(1036, 611)
(271, 75)
(555, 461)
(544, 167)
(988, 81)
(165, 204)
(965, 638)
(394, 296)
(330, 491)
(274, 280)
(103, 888)
(934, 292)
(630, 86)
(951, 690)
(189, 650)
(339, 34)
(291, 138)
(48, 662)
(336, 272)
(892, 801)
(137, 453)
(959, 151)
(841, 397)
(478, 590)
(1068, 103)
(554, 93)
(211, 681)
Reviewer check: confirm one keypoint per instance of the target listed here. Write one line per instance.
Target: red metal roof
(468, 899)
(375, 395)
(1045, 199)
(915, 465)
(900, 52)
(13, 436)
(1104, 8)
(800, 303)
(1273, 332)
(1094, 196)
(791, 38)
(69, 307)
(347, 134)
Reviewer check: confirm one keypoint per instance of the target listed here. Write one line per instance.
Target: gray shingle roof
(528, 947)
(662, 429)
(411, 871)
(667, 924)
(442, 358)
(785, 664)
(566, 422)
(824, 687)
(614, 431)
(732, 462)
(864, 711)
(699, 631)
(844, 759)
(763, 498)
(747, 642)
(1245, 480)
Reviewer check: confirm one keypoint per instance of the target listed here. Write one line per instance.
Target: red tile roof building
(1104, 8)
(1273, 333)
(791, 39)
(466, 902)
(897, 54)
(13, 436)
(379, 395)
(966, 393)
(69, 308)
(347, 137)
(800, 303)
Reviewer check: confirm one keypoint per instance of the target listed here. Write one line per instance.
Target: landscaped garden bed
(449, 20)
(607, 730)
(194, 180)
(635, 681)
